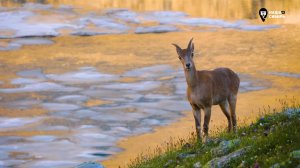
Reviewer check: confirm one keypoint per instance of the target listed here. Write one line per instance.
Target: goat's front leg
(207, 113)
(197, 117)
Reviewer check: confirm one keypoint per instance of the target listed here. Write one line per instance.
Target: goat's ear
(178, 49)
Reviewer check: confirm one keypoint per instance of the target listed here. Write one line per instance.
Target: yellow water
(226, 9)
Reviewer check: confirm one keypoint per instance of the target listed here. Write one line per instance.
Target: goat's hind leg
(232, 104)
(224, 108)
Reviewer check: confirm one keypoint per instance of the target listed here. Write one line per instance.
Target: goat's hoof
(205, 139)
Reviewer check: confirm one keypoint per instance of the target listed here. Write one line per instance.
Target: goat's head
(186, 55)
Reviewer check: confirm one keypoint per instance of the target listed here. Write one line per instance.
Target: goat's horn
(190, 44)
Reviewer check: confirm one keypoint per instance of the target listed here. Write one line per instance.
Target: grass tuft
(273, 140)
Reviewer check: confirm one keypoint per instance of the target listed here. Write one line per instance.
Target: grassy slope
(269, 141)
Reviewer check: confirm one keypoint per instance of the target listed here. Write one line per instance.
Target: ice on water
(23, 22)
(135, 108)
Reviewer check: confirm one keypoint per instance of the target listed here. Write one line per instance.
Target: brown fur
(206, 88)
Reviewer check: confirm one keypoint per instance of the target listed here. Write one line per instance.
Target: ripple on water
(104, 22)
(150, 72)
(257, 27)
(169, 105)
(22, 81)
(84, 113)
(151, 96)
(156, 29)
(35, 73)
(139, 86)
(249, 84)
(209, 22)
(10, 46)
(36, 6)
(124, 15)
(41, 87)
(83, 76)
(22, 104)
(285, 74)
(163, 17)
(60, 106)
(54, 163)
(72, 98)
(17, 122)
(18, 43)
(42, 138)
(95, 92)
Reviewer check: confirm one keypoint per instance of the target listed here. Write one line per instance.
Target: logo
(276, 14)
(263, 13)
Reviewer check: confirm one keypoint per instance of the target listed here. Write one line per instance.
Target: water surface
(66, 98)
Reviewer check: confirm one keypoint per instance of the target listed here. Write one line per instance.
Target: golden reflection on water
(225, 9)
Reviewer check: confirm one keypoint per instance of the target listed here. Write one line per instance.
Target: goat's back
(225, 78)
(219, 84)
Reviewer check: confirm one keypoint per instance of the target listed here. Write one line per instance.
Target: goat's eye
(179, 57)
(192, 54)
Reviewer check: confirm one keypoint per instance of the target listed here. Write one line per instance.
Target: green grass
(268, 141)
